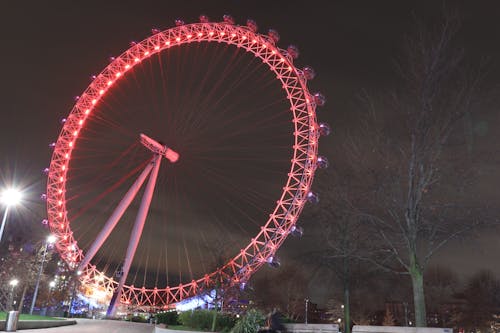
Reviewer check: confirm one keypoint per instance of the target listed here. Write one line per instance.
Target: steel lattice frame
(289, 206)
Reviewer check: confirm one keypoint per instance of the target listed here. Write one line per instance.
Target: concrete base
(398, 329)
(312, 328)
(158, 329)
(32, 324)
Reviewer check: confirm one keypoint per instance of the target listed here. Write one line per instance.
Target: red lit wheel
(98, 155)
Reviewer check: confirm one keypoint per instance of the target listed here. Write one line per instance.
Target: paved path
(92, 326)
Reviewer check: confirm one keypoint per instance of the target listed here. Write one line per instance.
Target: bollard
(11, 321)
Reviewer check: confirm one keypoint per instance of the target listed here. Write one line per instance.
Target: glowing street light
(9, 197)
(12, 283)
(50, 240)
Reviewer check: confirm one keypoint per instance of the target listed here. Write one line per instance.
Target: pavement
(92, 326)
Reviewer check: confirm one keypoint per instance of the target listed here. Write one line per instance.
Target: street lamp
(307, 303)
(9, 197)
(50, 240)
(52, 284)
(13, 283)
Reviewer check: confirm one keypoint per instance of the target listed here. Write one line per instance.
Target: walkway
(91, 326)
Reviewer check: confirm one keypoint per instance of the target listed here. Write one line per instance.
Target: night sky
(51, 48)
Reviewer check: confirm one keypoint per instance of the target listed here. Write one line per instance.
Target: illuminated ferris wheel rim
(263, 246)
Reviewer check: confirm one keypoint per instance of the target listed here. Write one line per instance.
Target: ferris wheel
(120, 162)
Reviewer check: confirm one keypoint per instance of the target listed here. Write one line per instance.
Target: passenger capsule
(322, 162)
(252, 25)
(312, 197)
(273, 262)
(204, 19)
(111, 59)
(309, 73)
(179, 22)
(133, 43)
(43, 196)
(76, 98)
(45, 221)
(296, 231)
(63, 120)
(319, 99)
(324, 129)
(155, 31)
(228, 19)
(275, 36)
(52, 144)
(293, 51)
(46, 171)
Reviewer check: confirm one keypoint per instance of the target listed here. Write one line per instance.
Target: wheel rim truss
(289, 206)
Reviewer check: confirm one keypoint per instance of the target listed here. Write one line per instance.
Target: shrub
(250, 322)
(167, 318)
(202, 320)
(225, 322)
(138, 319)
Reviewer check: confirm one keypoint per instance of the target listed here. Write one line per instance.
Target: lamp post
(9, 197)
(307, 303)
(52, 284)
(50, 240)
(13, 283)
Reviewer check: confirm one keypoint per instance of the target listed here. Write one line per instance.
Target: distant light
(14, 282)
(51, 239)
(52, 284)
(11, 197)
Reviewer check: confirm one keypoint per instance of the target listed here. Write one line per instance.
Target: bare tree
(481, 298)
(402, 161)
(344, 237)
(283, 288)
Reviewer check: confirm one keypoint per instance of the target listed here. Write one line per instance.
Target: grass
(3, 316)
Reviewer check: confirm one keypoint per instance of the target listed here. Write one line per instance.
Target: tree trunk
(214, 317)
(417, 280)
(347, 306)
(347, 311)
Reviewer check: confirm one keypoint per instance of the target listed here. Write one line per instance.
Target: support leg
(136, 234)
(115, 217)
(3, 221)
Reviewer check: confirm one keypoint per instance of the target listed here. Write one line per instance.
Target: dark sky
(50, 49)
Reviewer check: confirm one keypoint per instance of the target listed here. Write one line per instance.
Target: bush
(250, 322)
(225, 322)
(138, 319)
(202, 320)
(167, 318)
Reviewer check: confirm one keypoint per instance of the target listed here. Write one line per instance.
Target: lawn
(3, 315)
